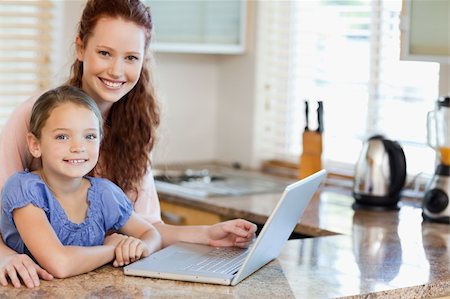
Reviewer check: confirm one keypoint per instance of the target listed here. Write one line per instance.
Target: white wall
(66, 35)
(444, 80)
(187, 86)
(207, 105)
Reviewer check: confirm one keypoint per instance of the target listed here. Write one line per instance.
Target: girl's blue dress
(109, 209)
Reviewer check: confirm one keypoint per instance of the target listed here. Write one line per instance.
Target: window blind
(346, 54)
(25, 51)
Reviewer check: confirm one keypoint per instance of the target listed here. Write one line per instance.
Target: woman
(112, 67)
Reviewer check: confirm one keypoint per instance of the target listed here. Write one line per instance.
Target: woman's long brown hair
(132, 121)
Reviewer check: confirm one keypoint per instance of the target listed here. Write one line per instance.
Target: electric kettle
(380, 174)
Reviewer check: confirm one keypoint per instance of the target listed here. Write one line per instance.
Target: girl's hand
(21, 266)
(128, 250)
(113, 239)
(237, 232)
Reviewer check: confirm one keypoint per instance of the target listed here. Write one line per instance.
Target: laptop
(230, 265)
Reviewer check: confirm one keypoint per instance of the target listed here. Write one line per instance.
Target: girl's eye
(91, 137)
(103, 53)
(61, 137)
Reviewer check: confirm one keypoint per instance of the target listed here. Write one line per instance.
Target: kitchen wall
(188, 92)
(207, 105)
(208, 102)
(444, 80)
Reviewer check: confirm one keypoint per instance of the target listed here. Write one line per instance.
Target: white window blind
(346, 54)
(25, 51)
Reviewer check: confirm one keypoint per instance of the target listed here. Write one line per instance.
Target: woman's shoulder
(20, 117)
(27, 105)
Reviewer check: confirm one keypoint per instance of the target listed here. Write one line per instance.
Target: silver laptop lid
(280, 224)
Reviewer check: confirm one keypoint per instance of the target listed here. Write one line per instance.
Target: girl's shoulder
(23, 180)
(105, 190)
(24, 188)
(108, 200)
(102, 184)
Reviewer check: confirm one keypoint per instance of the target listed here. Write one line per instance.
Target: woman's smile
(112, 84)
(112, 63)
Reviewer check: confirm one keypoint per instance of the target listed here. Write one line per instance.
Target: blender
(435, 206)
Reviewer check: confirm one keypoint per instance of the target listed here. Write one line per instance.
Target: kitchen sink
(213, 181)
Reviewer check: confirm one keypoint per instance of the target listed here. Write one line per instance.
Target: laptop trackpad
(177, 256)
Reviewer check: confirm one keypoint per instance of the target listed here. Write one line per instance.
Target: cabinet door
(199, 26)
(181, 215)
(425, 30)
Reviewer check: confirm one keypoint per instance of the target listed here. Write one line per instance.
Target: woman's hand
(237, 232)
(21, 266)
(128, 249)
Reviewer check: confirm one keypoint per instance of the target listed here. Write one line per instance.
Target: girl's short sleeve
(22, 189)
(115, 205)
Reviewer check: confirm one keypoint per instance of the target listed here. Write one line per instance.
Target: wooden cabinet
(178, 214)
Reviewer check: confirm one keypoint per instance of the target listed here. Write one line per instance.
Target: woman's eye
(91, 137)
(62, 137)
(103, 53)
(132, 58)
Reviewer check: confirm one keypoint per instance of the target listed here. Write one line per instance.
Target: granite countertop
(351, 254)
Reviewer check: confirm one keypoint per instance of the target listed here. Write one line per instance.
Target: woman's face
(112, 60)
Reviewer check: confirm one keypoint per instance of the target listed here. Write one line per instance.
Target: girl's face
(69, 143)
(112, 60)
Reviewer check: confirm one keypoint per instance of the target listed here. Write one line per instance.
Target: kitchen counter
(354, 254)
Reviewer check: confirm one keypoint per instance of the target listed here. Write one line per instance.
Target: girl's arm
(143, 240)
(59, 260)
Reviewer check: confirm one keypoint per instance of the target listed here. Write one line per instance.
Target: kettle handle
(397, 165)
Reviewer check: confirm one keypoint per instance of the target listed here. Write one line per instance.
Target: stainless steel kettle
(380, 174)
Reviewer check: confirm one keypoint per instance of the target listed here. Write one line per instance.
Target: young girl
(112, 66)
(56, 213)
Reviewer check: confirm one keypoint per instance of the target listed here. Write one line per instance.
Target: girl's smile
(76, 161)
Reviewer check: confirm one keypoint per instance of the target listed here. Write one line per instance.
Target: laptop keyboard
(220, 260)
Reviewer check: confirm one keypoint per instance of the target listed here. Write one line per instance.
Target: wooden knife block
(311, 157)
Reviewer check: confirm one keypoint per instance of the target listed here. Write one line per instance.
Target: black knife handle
(306, 115)
(320, 117)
